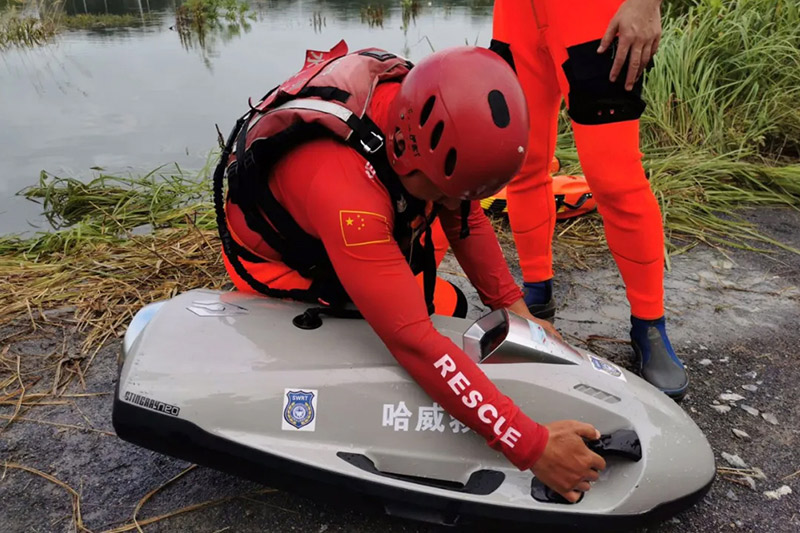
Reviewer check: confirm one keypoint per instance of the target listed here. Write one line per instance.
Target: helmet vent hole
(499, 107)
(436, 135)
(450, 162)
(426, 111)
(399, 143)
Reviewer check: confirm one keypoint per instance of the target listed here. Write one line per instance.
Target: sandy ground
(733, 317)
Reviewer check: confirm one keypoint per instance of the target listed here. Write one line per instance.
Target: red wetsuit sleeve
(353, 217)
(481, 257)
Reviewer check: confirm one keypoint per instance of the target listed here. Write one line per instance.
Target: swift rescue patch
(299, 410)
(601, 365)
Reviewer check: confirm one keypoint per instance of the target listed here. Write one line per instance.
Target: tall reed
(727, 78)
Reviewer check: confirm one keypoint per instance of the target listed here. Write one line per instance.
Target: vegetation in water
(200, 22)
(28, 28)
(410, 10)
(92, 21)
(373, 15)
(25, 30)
(318, 21)
(200, 14)
(195, 20)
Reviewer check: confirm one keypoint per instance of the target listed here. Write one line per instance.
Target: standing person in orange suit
(592, 53)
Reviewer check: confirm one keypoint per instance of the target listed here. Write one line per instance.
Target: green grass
(727, 77)
(109, 209)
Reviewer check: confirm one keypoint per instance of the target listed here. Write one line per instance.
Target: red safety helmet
(460, 118)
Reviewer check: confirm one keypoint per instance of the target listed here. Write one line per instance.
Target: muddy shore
(733, 318)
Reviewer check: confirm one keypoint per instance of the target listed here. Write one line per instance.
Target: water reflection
(109, 17)
(318, 21)
(131, 97)
(202, 24)
(373, 15)
(410, 11)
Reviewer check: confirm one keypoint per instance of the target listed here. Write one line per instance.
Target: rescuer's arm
(375, 275)
(354, 220)
(482, 260)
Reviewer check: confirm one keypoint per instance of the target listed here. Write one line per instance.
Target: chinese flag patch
(362, 227)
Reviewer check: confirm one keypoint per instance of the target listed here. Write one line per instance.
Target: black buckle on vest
(248, 159)
(373, 144)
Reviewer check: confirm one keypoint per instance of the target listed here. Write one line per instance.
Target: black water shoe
(657, 361)
(539, 299)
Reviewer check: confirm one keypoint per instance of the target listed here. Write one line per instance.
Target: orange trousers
(539, 32)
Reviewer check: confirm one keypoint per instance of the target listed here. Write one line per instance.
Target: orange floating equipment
(572, 197)
(555, 165)
(496, 204)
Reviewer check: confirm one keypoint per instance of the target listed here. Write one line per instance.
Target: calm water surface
(131, 99)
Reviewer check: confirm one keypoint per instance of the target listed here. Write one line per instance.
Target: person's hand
(638, 23)
(521, 309)
(567, 466)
